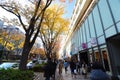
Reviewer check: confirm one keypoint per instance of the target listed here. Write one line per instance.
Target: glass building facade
(97, 37)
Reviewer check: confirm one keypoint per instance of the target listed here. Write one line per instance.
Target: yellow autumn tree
(5, 39)
(37, 51)
(53, 25)
(10, 41)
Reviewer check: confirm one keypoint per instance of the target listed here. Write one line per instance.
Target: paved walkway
(39, 76)
(68, 76)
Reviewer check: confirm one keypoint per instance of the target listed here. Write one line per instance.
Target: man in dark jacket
(98, 72)
(48, 70)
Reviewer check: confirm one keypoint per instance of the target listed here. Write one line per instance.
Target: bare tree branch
(16, 14)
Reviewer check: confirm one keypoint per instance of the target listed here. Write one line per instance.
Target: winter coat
(48, 69)
(98, 74)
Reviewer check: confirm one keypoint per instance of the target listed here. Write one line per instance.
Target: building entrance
(113, 44)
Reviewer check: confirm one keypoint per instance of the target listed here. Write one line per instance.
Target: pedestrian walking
(66, 64)
(54, 64)
(60, 66)
(98, 72)
(78, 67)
(48, 70)
(73, 68)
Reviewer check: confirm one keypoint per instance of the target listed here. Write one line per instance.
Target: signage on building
(84, 45)
(93, 41)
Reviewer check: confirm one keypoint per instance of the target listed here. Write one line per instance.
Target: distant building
(95, 33)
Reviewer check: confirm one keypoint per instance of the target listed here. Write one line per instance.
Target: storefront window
(97, 56)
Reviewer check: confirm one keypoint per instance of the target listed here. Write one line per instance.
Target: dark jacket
(98, 74)
(72, 65)
(48, 69)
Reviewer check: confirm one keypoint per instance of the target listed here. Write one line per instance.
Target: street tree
(39, 52)
(10, 41)
(18, 41)
(54, 25)
(30, 18)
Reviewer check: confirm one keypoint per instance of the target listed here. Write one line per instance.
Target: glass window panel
(87, 31)
(89, 45)
(92, 31)
(83, 31)
(97, 22)
(77, 39)
(115, 6)
(101, 40)
(81, 35)
(111, 31)
(105, 13)
(118, 26)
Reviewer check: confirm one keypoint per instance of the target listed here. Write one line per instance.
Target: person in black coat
(73, 67)
(48, 70)
(98, 72)
(54, 65)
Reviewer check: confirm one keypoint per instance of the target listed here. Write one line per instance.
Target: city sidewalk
(68, 76)
(39, 76)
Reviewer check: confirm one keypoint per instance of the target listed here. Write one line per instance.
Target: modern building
(95, 33)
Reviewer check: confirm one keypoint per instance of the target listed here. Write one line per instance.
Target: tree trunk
(1, 55)
(48, 55)
(25, 53)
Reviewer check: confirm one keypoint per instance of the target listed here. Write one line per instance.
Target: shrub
(38, 68)
(11, 74)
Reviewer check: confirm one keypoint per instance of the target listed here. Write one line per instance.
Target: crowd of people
(96, 70)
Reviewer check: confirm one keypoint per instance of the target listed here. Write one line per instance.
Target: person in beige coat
(60, 66)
